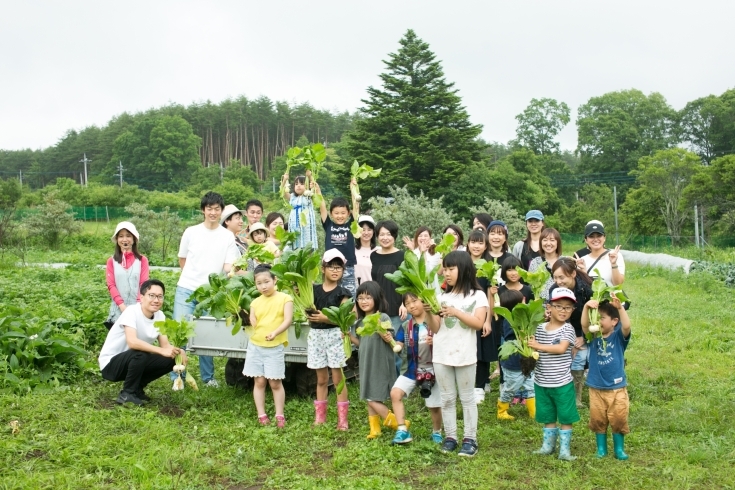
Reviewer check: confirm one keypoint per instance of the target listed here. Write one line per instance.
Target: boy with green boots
(553, 385)
(609, 404)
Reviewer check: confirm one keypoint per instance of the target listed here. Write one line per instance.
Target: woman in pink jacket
(126, 270)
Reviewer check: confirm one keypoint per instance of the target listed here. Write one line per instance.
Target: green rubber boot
(549, 443)
(618, 444)
(601, 445)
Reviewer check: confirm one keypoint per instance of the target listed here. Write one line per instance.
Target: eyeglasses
(334, 268)
(152, 296)
(363, 299)
(565, 309)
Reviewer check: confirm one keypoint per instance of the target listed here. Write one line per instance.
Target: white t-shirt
(132, 317)
(604, 266)
(455, 344)
(206, 252)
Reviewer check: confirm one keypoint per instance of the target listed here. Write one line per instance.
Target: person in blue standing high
(301, 219)
(206, 248)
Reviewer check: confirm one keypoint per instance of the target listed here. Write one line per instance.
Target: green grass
(680, 367)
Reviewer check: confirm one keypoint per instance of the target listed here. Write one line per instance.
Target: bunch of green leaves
(312, 158)
(285, 238)
(256, 252)
(226, 298)
(361, 172)
(297, 272)
(371, 324)
(178, 332)
(489, 270)
(523, 320)
(412, 277)
(35, 354)
(601, 292)
(344, 317)
(446, 245)
(536, 280)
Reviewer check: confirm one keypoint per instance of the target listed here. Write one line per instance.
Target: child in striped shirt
(553, 383)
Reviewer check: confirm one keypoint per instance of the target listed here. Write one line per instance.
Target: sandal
(264, 420)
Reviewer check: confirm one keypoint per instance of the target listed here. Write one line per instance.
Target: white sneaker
(212, 383)
(479, 395)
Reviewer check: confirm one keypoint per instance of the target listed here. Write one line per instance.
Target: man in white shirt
(129, 355)
(206, 248)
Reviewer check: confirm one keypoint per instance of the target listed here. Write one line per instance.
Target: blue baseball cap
(535, 214)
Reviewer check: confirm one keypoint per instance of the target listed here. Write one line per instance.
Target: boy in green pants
(553, 383)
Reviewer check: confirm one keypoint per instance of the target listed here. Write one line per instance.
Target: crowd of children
(447, 356)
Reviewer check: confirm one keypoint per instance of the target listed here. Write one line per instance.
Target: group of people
(446, 355)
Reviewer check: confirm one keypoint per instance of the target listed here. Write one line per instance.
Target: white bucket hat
(229, 210)
(125, 225)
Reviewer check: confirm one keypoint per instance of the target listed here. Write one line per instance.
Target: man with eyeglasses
(129, 354)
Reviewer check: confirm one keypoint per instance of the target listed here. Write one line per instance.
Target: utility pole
(85, 160)
(615, 196)
(696, 226)
(119, 173)
(20, 173)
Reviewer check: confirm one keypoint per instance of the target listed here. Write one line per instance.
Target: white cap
(229, 210)
(364, 218)
(125, 225)
(562, 293)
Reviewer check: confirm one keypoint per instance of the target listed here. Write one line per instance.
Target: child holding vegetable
(325, 350)
(514, 380)
(337, 225)
(497, 236)
(464, 308)
(270, 316)
(377, 359)
(420, 372)
(609, 404)
(487, 349)
(553, 385)
(301, 218)
(566, 275)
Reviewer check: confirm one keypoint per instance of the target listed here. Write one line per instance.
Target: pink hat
(332, 254)
(562, 293)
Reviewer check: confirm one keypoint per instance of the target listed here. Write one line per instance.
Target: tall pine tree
(414, 127)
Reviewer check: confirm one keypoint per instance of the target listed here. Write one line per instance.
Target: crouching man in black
(129, 355)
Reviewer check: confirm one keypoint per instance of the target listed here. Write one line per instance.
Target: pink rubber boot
(320, 410)
(342, 408)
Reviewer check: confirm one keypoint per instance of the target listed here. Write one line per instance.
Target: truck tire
(234, 376)
(304, 380)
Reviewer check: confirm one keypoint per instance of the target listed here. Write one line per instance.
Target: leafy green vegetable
(285, 238)
(361, 172)
(229, 299)
(412, 277)
(178, 332)
(523, 320)
(371, 324)
(488, 270)
(256, 252)
(601, 292)
(536, 280)
(297, 272)
(344, 317)
(312, 159)
(446, 245)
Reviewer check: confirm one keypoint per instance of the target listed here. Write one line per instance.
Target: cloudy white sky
(73, 64)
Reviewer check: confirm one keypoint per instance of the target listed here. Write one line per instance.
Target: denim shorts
(580, 359)
(266, 362)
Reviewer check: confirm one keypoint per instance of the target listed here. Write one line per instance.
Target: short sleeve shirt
(341, 238)
(607, 366)
(455, 344)
(324, 299)
(553, 370)
(268, 311)
(133, 317)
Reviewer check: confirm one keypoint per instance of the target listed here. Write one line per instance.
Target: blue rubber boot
(549, 443)
(618, 444)
(565, 441)
(601, 445)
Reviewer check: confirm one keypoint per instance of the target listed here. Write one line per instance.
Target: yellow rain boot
(503, 411)
(374, 426)
(391, 422)
(531, 407)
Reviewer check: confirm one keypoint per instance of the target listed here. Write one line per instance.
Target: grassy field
(680, 367)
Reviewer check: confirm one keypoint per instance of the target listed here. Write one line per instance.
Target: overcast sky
(73, 64)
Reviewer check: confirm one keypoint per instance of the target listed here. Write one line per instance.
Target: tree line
(416, 129)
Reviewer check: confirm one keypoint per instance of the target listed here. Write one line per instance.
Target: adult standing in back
(127, 270)
(528, 249)
(601, 262)
(206, 248)
(386, 260)
(364, 247)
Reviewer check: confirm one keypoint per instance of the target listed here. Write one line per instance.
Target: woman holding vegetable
(497, 236)
(386, 260)
(464, 309)
(601, 262)
(528, 249)
(126, 270)
(364, 247)
(550, 252)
